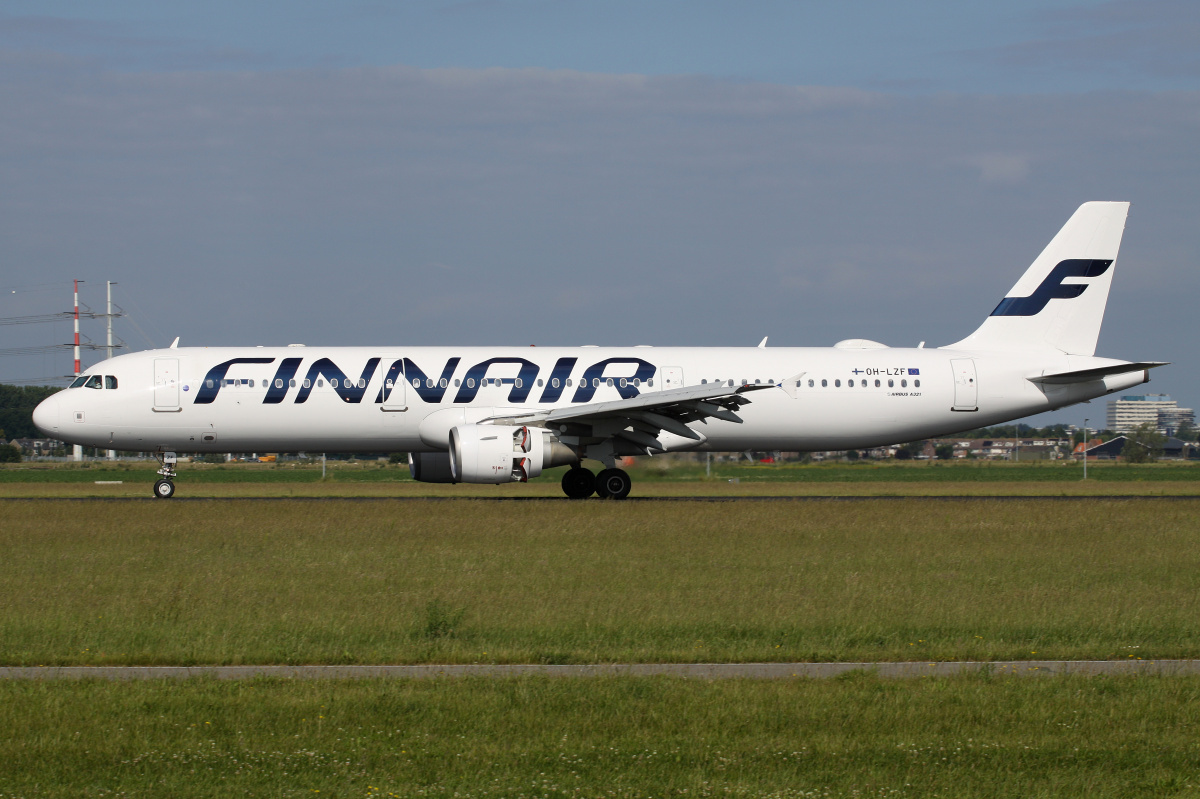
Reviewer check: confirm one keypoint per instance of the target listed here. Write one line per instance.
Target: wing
(640, 421)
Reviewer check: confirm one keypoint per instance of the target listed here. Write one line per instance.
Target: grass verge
(558, 582)
(620, 737)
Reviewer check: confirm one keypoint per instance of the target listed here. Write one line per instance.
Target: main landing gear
(165, 488)
(580, 483)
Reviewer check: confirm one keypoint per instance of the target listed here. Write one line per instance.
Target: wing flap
(641, 419)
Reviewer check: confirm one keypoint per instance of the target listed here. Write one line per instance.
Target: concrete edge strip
(708, 671)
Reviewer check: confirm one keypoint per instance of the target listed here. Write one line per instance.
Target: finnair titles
(505, 414)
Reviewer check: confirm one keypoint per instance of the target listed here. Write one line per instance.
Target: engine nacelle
(430, 467)
(503, 454)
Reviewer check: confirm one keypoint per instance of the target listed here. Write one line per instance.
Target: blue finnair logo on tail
(1052, 287)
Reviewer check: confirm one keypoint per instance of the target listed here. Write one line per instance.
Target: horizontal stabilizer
(1099, 373)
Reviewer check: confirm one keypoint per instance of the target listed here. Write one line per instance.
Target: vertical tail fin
(1059, 302)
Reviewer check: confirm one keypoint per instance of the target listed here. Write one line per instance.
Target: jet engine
(503, 454)
(430, 467)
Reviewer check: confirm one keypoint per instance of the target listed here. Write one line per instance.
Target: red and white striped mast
(77, 450)
(77, 328)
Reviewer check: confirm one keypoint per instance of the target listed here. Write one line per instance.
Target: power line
(44, 348)
(49, 317)
(40, 381)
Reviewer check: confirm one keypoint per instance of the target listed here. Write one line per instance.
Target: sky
(560, 172)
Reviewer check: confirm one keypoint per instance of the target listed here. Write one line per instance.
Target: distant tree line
(16, 409)
(1017, 431)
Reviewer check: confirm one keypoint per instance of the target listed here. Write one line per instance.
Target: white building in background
(1159, 410)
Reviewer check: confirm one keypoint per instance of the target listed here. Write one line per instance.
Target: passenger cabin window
(110, 381)
(876, 384)
(864, 384)
(824, 383)
(811, 382)
(837, 383)
(916, 384)
(903, 384)
(94, 382)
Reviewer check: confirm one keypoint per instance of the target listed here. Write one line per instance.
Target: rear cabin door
(166, 384)
(966, 389)
(672, 377)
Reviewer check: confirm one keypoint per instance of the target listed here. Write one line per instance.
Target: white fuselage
(269, 399)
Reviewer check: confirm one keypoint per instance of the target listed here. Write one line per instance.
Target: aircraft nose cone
(45, 416)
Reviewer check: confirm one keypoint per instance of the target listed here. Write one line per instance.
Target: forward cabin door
(966, 389)
(672, 377)
(166, 384)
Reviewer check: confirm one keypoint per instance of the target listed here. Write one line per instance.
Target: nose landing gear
(165, 488)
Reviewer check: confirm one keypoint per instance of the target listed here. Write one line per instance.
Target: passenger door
(393, 386)
(166, 384)
(966, 390)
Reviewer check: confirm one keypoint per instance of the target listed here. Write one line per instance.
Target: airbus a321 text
(504, 414)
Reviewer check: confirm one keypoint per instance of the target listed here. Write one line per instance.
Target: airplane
(505, 414)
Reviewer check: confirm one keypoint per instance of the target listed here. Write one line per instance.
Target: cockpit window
(110, 381)
(79, 381)
(94, 382)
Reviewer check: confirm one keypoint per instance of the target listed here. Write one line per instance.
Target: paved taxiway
(806, 498)
(704, 671)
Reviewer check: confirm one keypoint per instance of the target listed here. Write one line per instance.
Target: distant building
(1173, 449)
(36, 447)
(1158, 410)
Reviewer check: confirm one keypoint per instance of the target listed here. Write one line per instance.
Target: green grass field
(620, 737)
(652, 478)
(219, 582)
(343, 581)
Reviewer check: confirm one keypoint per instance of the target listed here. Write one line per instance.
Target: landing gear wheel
(578, 483)
(164, 489)
(613, 484)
